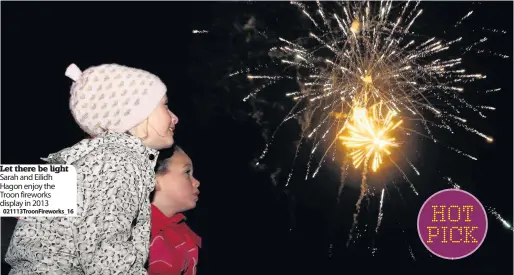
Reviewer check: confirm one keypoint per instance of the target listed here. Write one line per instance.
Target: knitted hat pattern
(112, 97)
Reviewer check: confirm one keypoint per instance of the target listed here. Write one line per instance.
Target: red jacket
(173, 245)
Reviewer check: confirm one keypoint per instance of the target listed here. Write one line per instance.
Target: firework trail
(344, 173)
(364, 190)
(497, 215)
(379, 221)
(409, 247)
(489, 209)
(450, 182)
(364, 61)
(380, 214)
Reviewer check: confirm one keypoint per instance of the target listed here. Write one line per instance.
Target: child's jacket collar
(86, 146)
(160, 223)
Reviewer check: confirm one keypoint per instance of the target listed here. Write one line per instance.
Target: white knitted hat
(112, 97)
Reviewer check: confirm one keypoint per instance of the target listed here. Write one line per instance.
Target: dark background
(249, 224)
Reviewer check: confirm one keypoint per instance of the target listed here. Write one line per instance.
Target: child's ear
(157, 184)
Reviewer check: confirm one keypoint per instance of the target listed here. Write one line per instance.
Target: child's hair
(162, 166)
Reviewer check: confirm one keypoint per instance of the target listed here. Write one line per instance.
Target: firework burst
(368, 136)
(361, 66)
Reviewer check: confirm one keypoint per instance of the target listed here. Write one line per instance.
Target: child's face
(177, 189)
(161, 125)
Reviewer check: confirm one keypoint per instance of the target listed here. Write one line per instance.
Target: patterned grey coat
(111, 233)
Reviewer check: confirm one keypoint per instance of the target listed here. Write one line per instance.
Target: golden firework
(355, 27)
(369, 135)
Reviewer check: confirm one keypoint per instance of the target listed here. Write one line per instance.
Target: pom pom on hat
(73, 72)
(112, 97)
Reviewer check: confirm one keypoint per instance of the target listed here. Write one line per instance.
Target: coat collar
(84, 147)
(161, 222)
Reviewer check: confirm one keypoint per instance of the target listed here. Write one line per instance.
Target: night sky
(250, 223)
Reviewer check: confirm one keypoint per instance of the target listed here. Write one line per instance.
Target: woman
(174, 246)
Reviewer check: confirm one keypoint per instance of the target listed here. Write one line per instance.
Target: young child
(174, 246)
(125, 110)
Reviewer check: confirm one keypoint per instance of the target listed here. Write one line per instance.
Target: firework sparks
(489, 209)
(379, 221)
(360, 66)
(380, 213)
(453, 184)
(368, 136)
(367, 54)
(497, 215)
(364, 190)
